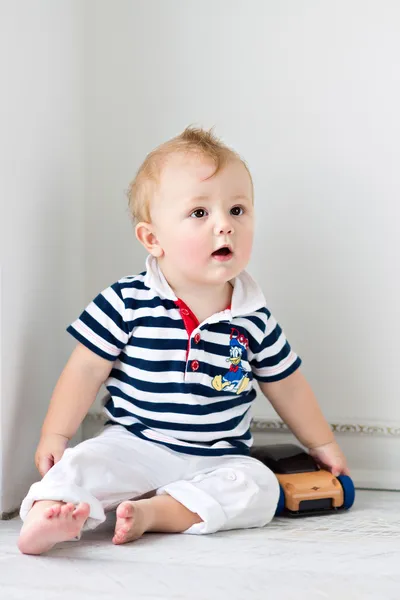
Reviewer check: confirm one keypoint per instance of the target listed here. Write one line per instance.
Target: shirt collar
(247, 296)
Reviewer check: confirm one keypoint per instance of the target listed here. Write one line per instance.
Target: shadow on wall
(39, 349)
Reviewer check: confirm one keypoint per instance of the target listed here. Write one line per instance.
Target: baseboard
(368, 479)
(372, 449)
(391, 430)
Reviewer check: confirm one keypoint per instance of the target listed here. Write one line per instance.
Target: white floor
(354, 556)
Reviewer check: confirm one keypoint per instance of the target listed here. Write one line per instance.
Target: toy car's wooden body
(306, 490)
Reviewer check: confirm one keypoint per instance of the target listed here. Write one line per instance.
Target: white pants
(227, 492)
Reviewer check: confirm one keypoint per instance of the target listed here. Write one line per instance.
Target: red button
(195, 365)
(197, 338)
(185, 311)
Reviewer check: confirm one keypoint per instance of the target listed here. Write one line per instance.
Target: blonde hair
(192, 140)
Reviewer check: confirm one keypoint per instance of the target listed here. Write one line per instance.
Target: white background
(308, 92)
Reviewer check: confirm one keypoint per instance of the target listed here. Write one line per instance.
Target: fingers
(44, 464)
(340, 470)
(331, 458)
(57, 456)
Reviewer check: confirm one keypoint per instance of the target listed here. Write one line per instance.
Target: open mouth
(222, 253)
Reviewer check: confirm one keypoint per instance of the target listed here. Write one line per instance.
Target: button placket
(191, 323)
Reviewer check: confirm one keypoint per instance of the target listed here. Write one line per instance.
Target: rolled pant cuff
(71, 493)
(198, 502)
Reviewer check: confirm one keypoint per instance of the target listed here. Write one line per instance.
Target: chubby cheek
(191, 249)
(247, 246)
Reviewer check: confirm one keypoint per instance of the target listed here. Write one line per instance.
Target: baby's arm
(73, 395)
(295, 402)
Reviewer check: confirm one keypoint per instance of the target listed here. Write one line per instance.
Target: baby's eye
(236, 211)
(199, 213)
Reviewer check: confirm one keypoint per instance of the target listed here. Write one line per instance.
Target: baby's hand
(329, 456)
(50, 449)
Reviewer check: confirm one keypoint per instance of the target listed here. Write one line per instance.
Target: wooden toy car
(306, 489)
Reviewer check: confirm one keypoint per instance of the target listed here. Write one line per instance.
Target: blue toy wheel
(281, 502)
(348, 490)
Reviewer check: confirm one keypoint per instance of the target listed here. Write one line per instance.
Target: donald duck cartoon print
(235, 379)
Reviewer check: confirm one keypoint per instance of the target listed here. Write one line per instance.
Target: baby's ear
(146, 236)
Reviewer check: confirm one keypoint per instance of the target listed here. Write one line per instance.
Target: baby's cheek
(246, 244)
(193, 249)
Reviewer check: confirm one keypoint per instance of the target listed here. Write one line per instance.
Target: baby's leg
(229, 493)
(101, 472)
(160, 513)
(232, 492)
(50, 522)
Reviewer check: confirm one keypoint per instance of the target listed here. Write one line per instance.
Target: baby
(179, 348)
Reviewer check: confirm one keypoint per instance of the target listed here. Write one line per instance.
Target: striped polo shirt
(175, 381)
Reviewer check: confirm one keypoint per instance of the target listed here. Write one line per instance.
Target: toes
(52, 511)
(82, 510)
(126, 528)
(67, 509)
(125, 510)
(117, 536)
(117, 540)
(121, 536)
(122, 529)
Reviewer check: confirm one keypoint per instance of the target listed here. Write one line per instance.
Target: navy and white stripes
(175, 381)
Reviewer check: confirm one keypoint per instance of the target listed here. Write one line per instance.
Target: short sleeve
(102, 326)
(274, 359)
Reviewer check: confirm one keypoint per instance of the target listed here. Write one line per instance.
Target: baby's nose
(225, 230)
(223, 226)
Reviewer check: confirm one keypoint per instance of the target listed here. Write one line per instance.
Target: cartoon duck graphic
(235, 379)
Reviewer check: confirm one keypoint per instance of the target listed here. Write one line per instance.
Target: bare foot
(57, 523)
(131, 523)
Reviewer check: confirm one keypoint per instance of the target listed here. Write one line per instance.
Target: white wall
(41, 194)
(308, 92)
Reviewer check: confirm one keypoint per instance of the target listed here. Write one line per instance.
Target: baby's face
(195, 214)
